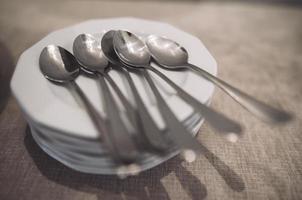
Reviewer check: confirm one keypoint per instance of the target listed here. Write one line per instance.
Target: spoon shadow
(147, 185)
(231, 178)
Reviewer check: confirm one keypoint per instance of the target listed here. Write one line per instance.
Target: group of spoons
(126, 52)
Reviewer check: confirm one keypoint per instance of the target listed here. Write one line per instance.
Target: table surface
(258, 48)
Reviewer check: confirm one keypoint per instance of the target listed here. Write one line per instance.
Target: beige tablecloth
(258, 48)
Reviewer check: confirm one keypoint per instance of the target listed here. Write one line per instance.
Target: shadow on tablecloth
(146, 185)
(6, 70)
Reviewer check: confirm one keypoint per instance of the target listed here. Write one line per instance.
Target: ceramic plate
(93, 163)
(53, 106)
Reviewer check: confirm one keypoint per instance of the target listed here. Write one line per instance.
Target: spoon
(88, 49)
(60, 66)
(150, 130)
(181, 137)
(133, 52)
(89, 54)
(189, 147)
(173, 56)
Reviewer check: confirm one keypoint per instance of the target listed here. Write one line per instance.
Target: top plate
(54, 106)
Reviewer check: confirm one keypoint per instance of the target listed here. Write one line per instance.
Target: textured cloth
(258, 48)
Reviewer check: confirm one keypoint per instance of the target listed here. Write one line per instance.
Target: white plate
(92, 146)
(53, 106)
(66, 137)
(97, 165)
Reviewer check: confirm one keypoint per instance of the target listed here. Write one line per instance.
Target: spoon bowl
(107, 47)
(88, 52)
(131, 50)
(168, 53)
(58, 65)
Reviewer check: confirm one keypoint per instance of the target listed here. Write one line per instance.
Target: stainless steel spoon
(151, 131)
(189, 150)
(60, 66)
(132, 51)
(180, 136)
(177, 131)
(173, 56)
(89, 53)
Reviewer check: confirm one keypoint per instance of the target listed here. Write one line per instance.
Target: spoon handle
(119, 133)
(179, 134)
(151, 131)
(131, 112)
(98, 121)
(259, 109)
(217, 120)
(129, 108)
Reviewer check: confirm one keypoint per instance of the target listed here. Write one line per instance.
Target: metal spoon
(95, 61)
(171, 55)
(181, 137)
(134, 53)
(188, 150)
(151, 131)
(177, 132)
(60, 66)
(89, 54)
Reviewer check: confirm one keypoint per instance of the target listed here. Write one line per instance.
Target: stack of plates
(60, 125)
